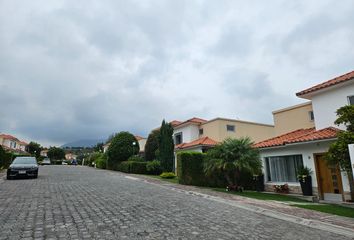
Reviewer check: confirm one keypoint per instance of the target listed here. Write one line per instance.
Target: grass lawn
(263, 196)
(329, 208)
(171, 180)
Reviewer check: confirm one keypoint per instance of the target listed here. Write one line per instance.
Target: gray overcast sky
(83, 69)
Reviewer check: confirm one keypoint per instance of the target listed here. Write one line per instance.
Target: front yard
(293, 201)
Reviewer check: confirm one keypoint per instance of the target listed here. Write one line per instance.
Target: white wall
(189, 133)
(142, 143)
(307, 151)
(325, 105)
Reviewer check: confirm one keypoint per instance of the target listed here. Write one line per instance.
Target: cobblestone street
(68, 202)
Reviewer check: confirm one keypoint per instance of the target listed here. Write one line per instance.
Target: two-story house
(12, 144)
(199, 135)
(306, 146)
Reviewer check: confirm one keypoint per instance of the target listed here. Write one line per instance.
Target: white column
(351, 154)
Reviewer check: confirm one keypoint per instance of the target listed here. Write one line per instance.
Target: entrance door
(329, 180)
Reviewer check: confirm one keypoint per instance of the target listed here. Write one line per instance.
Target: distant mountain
(83, 143)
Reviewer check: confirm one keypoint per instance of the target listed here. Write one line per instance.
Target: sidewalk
(280, 210)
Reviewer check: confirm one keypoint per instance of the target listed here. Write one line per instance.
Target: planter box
(306, 186)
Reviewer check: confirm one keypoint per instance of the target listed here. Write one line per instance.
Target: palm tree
(231, 157)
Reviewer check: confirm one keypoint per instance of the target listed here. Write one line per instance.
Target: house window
(178, 138)
(351, 100)
(311, 115)
(230, 128)
(201, 131)
(283, 168)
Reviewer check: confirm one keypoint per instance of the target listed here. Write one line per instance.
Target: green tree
(34, 149)
(166, 147)
(98, 147)
(232, 157)
(55, 153)
(338, 153)
(123, 145)
(151, 146)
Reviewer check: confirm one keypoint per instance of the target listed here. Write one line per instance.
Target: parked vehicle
(23, 167)
(46, 161)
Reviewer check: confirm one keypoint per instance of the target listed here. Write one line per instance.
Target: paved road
(68, 202)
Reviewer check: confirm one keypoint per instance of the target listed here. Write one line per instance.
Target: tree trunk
(228, 179)
(351, 184)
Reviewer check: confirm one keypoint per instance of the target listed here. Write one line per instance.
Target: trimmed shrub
(5, 158)
(132, 167)
(190, 168)
(122, 147)
(124, 167)
(138, 167)
(136, 159)
(168, 175)
(154, 167)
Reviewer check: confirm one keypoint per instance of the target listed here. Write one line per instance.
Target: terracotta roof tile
(192, 120)
(204, 141)
(138, 137)
(7, 136)
(341, 79)
(300, 135)
(175, 122)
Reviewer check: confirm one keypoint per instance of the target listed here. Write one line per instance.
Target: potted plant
(304, 177)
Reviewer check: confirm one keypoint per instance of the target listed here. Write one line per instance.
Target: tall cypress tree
(166, 147)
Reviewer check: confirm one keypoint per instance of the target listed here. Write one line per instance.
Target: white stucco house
(283, 154)
(13, 144)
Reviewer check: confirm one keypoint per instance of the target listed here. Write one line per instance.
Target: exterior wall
(307, 151)
(142, 143)
(325, 104)
(9, 143)
(293, 118)
(105, 148)
(189, 133)
(217, 130)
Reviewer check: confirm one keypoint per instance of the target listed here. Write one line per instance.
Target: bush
(190, 171)
(5, 158)
(168, 175)
(132, 167)
(101, 161)
(154, 167)
(122, 147)
(136, 159)
(152, 144)
(190, 168)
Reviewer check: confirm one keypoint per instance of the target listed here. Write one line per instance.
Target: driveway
(68, 202)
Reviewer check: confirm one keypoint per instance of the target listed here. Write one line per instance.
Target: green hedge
(190, 171)
(154, 167)
(190, 168)
(132, 167)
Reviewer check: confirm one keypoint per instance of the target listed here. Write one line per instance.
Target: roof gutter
(298, 143)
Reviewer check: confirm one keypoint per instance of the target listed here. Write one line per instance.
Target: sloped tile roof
(204, 141)
(138, 137)
(192, 120)
(341, 79)
(300, 135)
(7, 136)
(175, 123)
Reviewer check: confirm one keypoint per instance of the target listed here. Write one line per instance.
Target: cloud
(85, 69)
